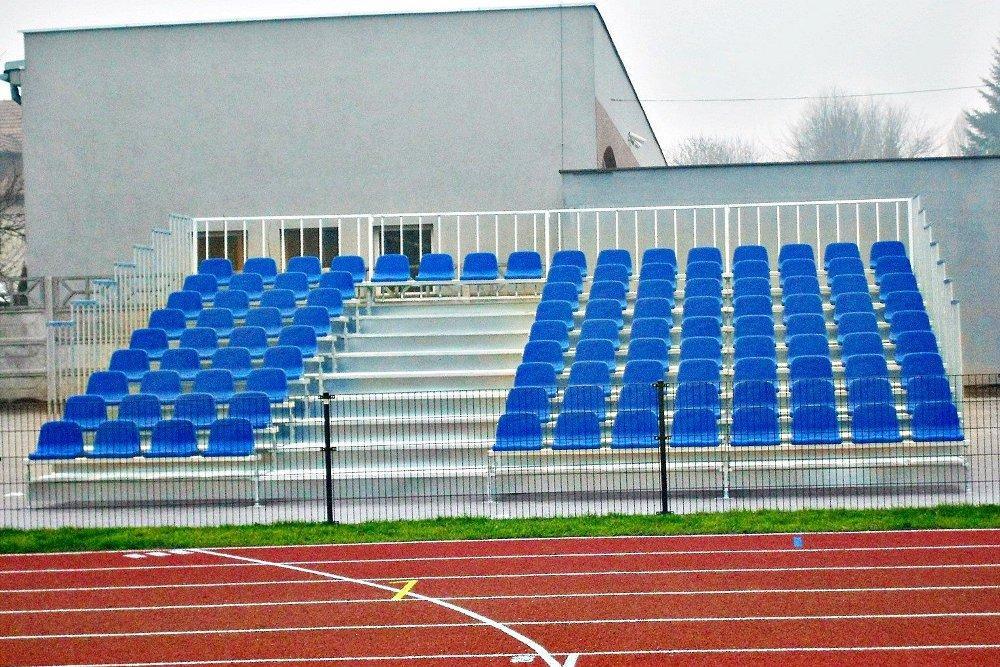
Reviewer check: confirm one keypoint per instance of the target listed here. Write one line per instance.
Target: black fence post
(661, 391)
(328, 457)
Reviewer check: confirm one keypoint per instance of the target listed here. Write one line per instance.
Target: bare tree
(707, 149)
(845, 128)
(12, 227)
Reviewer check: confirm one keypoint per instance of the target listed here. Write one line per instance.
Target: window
(231, 245)
(306, 241)
(416, 241)
(609, 158)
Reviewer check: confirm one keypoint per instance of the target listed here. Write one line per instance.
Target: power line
(793, 98)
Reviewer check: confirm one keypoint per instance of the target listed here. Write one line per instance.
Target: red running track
(912, 597)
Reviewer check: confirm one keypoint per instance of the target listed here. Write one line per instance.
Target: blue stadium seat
(437, 267)
(698, 395)
(651, 327)
(249, 283)
(219, 319)
(852, 303)
(755, 368)
(330, 300)
(655, 349)
(702, 326)
(253, 406)
(751, 269)
(164, 385)
(800, 285)
(754, 325)
(230, 437)
(920, 364)
(694, 427)
(745, 306)
(755, 393)
(600, 330)
(185, 361)
(816, 368)
(643, 370)
(754, 346)
(840, 250)
(618, 256)
(315, 317)
(703, 306)
(391, 268)
(697, 270)
(848, 284)
(198, 408)
(908, 320)
(911, 342)
(523, 265)
(655, 289)
(591, 372)
(112, 386)
(795, 251)
(755, 426)
(268, 318)
(795, 268)
(660, 271)
(869, 390)
(845, 266)
(609, 289)
(612, 273)
(874, 422)
(704, 254)
(172, 438)
(518, 432)
(802, 304)
(896, 302)
(882, 249)
(701, 347)
(562, 292)
(638, 397)
(750, 253)
(596, 349)
(550, 330)
(861, 343)
(751, 287)
(282, 300)
(536, 375)
(340, 281)
(302, 337)
(171, 320)
(698, 370)
(653, 307)
(544, 351)
(813, 391)
(58, 440)
(566, 274)
(270, 381)
(265, 267)
(659, 256)
(805, 323)
(186, 301)
(152, 341)
(352, 264)
(815, 425)
(235, 301)
(117, 439)
(87, 411)
(295, 282)
(480, 266)
(892, 264)
(215, 381)
(897, 282)
(936, 422)
(585, 398)
(807, 345)
(287, 358)
(605, 309)
(236, 360)
(205, 285)
(133, 363)
(703, 287)
(533, 400)
(577, 430)
(856, 323)
(556, 311)
(571, 258)
(307, 264)
(220, 267)
(635, 429)
(142, 410)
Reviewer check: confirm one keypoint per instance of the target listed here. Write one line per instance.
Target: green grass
(802, 521)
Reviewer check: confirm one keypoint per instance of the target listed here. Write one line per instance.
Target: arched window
(609, 159)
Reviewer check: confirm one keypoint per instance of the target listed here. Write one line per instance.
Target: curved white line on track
(535, 647)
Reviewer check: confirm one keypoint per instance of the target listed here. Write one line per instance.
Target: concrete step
(420, 342)
(397, 381)
(471, 360)
(432, 322)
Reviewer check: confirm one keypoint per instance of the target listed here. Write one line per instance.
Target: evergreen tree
(982, 137)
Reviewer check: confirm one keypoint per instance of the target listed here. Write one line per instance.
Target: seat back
(252, 284)
(694, 427)
(795, 251)
(659, 256)
(86, 410)
(164, 385)
(307, 264)
(655, 307)
(518, 431)
(203, 340)
(701, 347)
(265, 267)
(58, 440)
(152, 341)
(331, 300)
(557, 311)
(643, 370)
(282, 300)
(186, 301)
(173, 438)
(316, 318)
(750, 268)
(635, 429)
(300, 336)
(391, 268)
(143, 410)
(171, 320)
(591, 372)
(116, 439)
(339, 281)
(532, 400)
(351, 264)
(754, 325)
(844, 266)
(233, 300)
(544, 351)
(198, 408)
(566, 274)
(754, 346)
(577, 430)
(617, 256)
(112, 386)
(935, 422)
(436, 266)
(523, 265)
(267, 318)
(220, 319)
(755, 426)
(204, 284)
(571, 258)
(185, 361)
(536, 374)
(751, 287)
(882, 249)
(295, 282)
(708, 254)
(585, 398)
(220, 267)
(596, 349)
(703, 326)
(230, 437)
(808, 345)
(550, 330)
(755, 368)
(272, 382)
(133, 363)
(287, 358)
(698, 370)
(651, 327)
(253, 406)
(236, 360)
(750, 253)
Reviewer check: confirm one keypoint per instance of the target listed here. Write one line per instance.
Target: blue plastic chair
(218, 382)
(755, 368)
(186, 301)
(755, 426)
(659, 256)
(897, 282)
(254, 406)
(812, 367)
(609, 289)
(596, 349)
(701, 347)
(198, 408)
(698, 395)
(171, 320)
(658, 271)
(651, 327)
(751, 287)
(813, 391)
(638, 397)
(896, 302)
(936, 422)
(236, 360)
(754, 325)
(808, 345)
(585, 398)
(173, 438)
(848, 284)
(703, 326)
(892, 264)
(523, 265)
(704, 254)
(694, 427)
(250, 284)
(750, 253)
(591, 372)
(219, 319)
(268, 318)
(577, 430)
(702, 306)
(698, 370)
(133, 363)
(58, 440)
(845, 266)
(635, 429)
(315, 317)
(709, 270)
(911, 342)
(856, 323)
(295, 282)
(612, 273)
(287, 358)
(653, 307)
(185, 361)
(605, 309)
(755, 393)
(882, 249)
(920, 364)
(142, 410)
(655, 289)
(566, 274)
(556, 311)
(112, 386)
(152, 341)
(852, 302)
(754, 346)
(874, 422)
(437, 267)
(601, 330)
(703, 287)
(561, 292)
(301, 336)
(927, 389)
(352, 264)
(908, 320)
(654, 349)
(869, 390)
(794, 251)
(544, 351)
(571, 258)
(480, 266)
(518, 432)
(840, 250)
(536, 375)
(802, 304)
(164, 385)
(751, 269)
(330, 300)
(806, 323)
(796, 268)
(550, 330)
(220, 267)
(533, 400)
(117, 439)
(618, 256)
(203, 284)
(86, 411)
(391, 269)
(230, 437)
(272, 382)
(643, 370)
(306, 264)
(815, 425)
(745, 306)
(265, 267)
(861, 343)
(341, 282)
(235, 301)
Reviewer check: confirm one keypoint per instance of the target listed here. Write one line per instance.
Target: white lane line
(537, 648)
(580, 554)
(601, 573)
(528, 596)
(506, 626)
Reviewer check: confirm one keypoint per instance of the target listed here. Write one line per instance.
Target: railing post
(548, 247)
(725, 226)
(328, 457)
(371, 241)
(661, 387)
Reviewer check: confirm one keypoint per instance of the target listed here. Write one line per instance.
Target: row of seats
(89, 411)
(113, 386)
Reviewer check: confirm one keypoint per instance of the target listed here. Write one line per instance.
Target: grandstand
(512, 355)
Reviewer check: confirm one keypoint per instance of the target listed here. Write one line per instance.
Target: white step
(419, 341)
(470, 360)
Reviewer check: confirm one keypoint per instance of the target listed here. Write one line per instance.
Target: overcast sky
(683, 49)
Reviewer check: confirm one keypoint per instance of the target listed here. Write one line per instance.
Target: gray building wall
(961, 197)
(420, 112)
